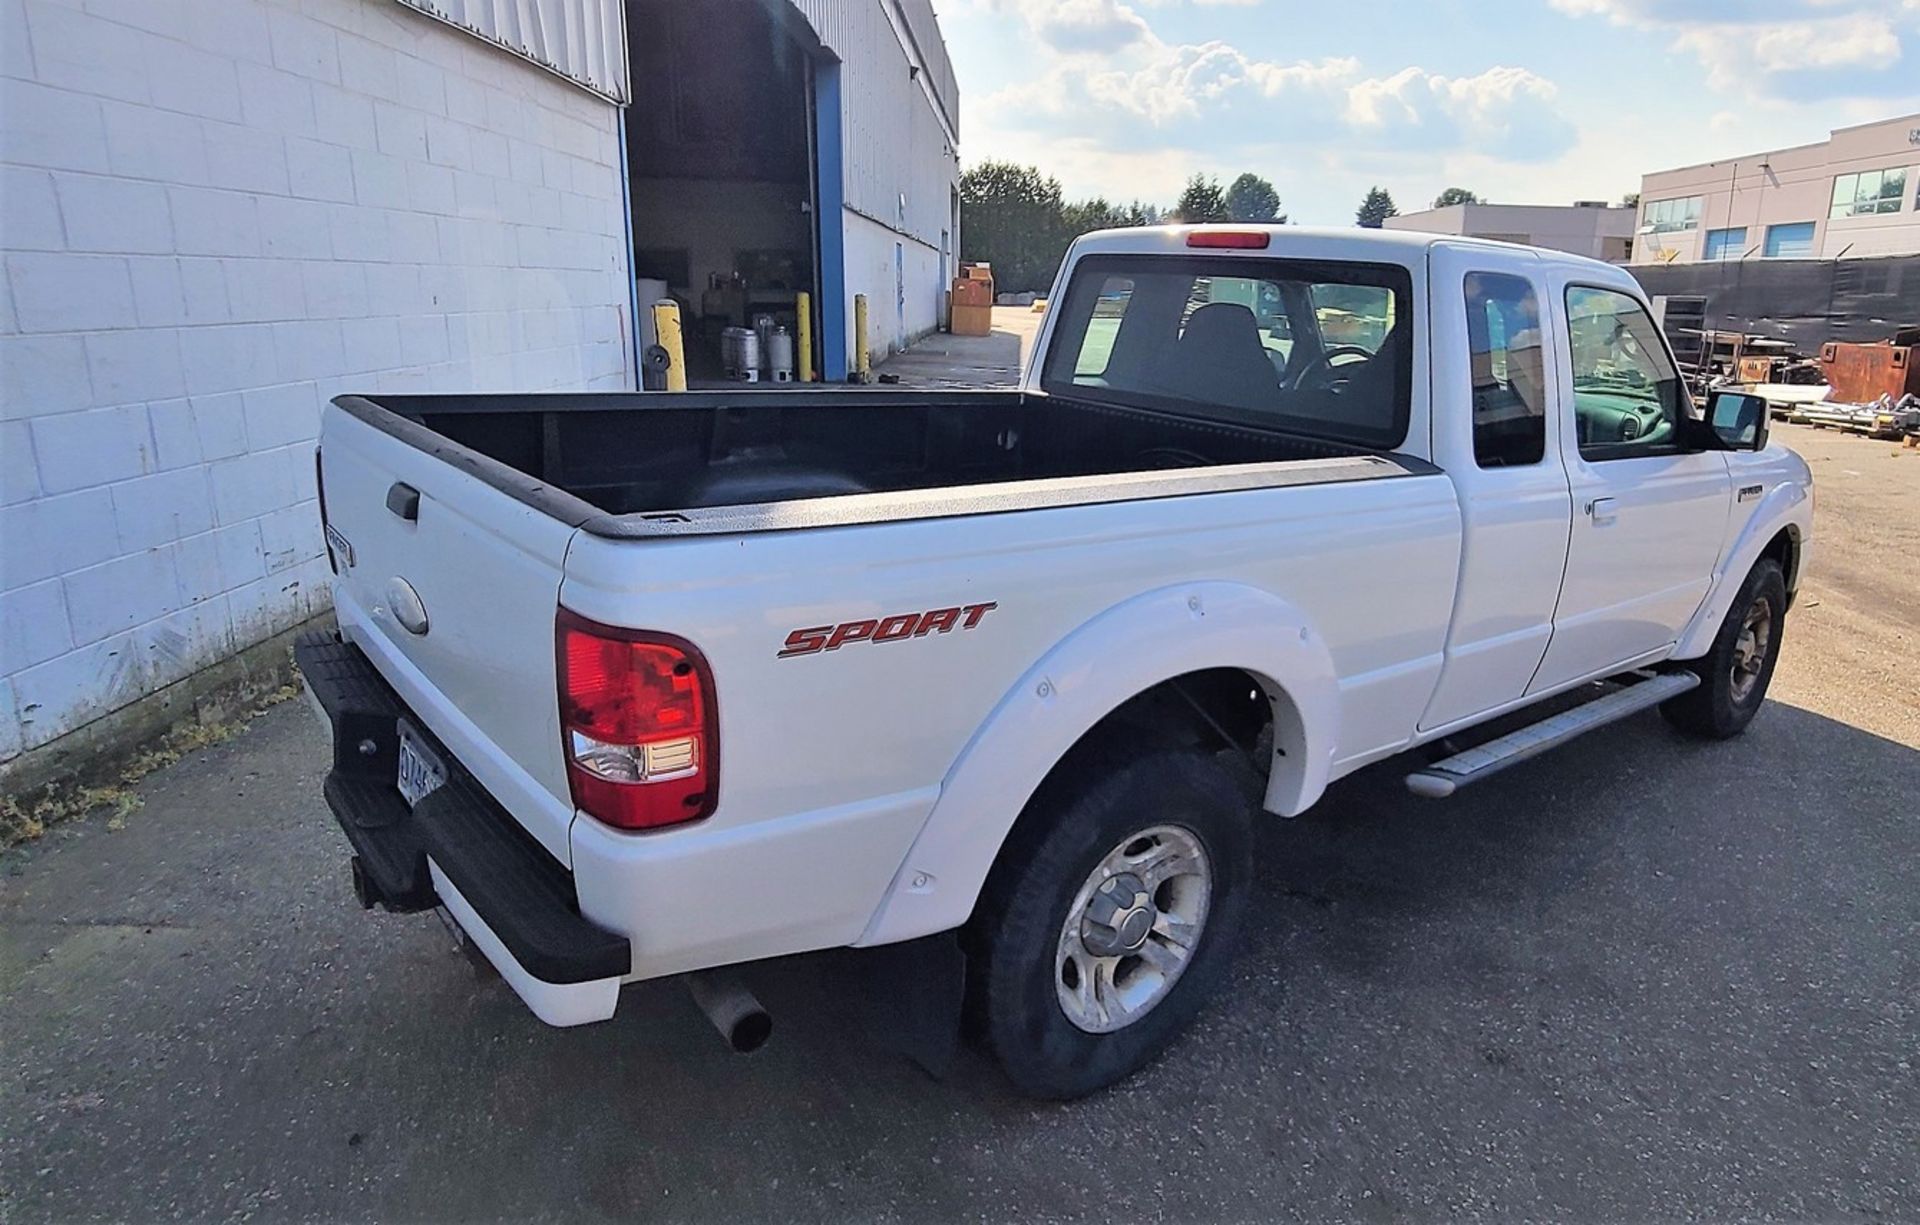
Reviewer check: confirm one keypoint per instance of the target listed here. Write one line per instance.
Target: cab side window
(1509, 373)
(1627, 397)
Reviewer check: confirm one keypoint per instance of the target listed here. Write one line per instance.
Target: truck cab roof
(1347, 243)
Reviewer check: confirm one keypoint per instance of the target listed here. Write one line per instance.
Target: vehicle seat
(1222, 360)
(1370, 390)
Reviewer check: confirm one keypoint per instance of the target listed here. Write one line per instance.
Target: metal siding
(828, 19)
(925, 28)
(847, 28)
(895, 144)
(584, 41)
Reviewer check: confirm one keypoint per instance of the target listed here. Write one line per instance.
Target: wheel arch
(1778, 528)
(1785, 548)
(1128, 653)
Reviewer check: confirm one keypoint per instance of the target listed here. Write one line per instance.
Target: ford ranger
(647, 684)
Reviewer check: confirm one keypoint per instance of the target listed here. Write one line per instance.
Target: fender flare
(1116, 656)
(1786, 505)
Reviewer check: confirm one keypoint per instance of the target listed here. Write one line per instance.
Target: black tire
(1725, 703)
(1066, 833)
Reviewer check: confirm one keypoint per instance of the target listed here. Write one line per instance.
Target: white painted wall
(217, 215)
(870, 271)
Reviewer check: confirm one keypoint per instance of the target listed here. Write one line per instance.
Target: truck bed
(643, 464)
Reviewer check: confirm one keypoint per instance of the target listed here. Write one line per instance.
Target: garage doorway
(721, 168)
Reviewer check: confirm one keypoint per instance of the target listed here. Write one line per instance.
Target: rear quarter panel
(831, 761)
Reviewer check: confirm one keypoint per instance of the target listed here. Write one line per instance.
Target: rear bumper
(456, 848)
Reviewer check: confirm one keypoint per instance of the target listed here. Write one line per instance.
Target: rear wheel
(1109, 920)
(1735, 673)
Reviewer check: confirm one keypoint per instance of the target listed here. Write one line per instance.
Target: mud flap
(911, 998)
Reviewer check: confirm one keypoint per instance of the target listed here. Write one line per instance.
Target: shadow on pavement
(1640, 977)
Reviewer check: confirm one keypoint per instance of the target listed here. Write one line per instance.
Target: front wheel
(1110, 918)
(1735, 673)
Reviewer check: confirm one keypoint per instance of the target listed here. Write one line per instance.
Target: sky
(1521, 101)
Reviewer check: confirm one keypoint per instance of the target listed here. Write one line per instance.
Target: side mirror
(1738, 420)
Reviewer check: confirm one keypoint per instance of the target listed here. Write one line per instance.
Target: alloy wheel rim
(1133, 928)
(1750, 649)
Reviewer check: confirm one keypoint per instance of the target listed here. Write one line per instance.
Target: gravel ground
(1641, 978)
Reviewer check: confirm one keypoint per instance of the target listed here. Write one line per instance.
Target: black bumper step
(524, 894)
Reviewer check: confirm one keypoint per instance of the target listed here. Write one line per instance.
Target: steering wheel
(1325, 359)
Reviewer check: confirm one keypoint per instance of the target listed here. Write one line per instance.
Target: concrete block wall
(216, 215)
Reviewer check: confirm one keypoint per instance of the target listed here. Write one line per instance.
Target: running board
(1443, 778)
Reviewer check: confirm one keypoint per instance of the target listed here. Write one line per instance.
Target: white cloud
(1166, 94)
(1809, 48)
(1074, 27)
(1507, 112)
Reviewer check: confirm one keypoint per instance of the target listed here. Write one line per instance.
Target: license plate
(421, 773)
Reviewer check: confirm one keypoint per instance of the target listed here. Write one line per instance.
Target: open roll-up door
(584, 41)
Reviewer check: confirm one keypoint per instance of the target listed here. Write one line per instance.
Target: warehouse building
(218, 214)
(1588, 227)
(1852, 195)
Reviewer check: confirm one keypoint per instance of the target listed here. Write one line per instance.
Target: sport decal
(897, 628)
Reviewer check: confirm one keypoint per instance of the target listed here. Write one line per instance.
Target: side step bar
(1443, 778)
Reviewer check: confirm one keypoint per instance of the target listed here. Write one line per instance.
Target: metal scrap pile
(1876, 387)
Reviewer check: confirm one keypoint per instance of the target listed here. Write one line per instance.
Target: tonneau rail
(1001, 497)
(1323, 462)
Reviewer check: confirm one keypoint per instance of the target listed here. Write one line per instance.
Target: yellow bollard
(666, 327)
(862, 370)
(803, 336)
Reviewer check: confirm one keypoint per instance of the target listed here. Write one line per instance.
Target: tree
(1456, 195)
(1252, 198)
(1143, 214)
(1630, 200)
(1096, 214)
(1375, 209)
(1013, 218)
(1201, 201)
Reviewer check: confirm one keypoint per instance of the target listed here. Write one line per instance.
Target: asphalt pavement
(1639, 978)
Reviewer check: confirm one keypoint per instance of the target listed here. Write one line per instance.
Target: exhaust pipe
(732, 1009)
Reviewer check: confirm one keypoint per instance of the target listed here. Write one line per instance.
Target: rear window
(1319, 349)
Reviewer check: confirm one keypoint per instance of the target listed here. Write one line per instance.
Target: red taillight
(638, 724)
(1238, 240)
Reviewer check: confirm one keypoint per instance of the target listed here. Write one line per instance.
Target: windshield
(1312, 348)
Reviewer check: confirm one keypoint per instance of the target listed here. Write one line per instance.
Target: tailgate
(485, 571)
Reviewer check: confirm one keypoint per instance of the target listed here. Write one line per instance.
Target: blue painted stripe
(633, 286)
(832, 220)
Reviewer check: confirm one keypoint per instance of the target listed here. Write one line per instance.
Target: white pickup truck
(646, 684)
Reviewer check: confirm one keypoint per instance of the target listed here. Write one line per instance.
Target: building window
(1790, 241)
(1667, 216)
(1869, 192)
(1726, 244)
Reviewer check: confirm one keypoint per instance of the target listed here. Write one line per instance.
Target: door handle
(404, 500)
(1601, 511)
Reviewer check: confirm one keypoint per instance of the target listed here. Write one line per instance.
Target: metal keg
(740, 354)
